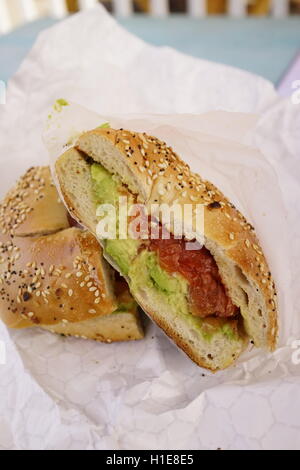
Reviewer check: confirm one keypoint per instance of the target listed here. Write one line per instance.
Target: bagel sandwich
(212, 301)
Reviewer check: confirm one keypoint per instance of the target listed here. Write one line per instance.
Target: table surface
(263, 46)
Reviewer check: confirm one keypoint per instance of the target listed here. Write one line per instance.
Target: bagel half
(53, 275)
(148, 170)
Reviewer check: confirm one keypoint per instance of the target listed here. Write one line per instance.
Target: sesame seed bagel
(33, 206)
(155, 173)
(53, 275)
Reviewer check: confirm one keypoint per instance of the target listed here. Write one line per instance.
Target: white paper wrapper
(66, 393)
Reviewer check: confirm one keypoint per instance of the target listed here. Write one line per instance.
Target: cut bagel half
(212, 300)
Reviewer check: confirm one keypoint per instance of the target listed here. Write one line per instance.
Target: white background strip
(123, 7)
(5, 20)
(58, 8)
(280, 8)
(159, 7)
(237, 8)
(196, 7)
(28, 9)
(85, 4)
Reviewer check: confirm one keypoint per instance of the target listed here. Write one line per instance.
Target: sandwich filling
(189, 282)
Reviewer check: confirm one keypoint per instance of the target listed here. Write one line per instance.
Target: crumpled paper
(73, 394)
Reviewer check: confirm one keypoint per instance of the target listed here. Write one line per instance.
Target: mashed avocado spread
(143, 268)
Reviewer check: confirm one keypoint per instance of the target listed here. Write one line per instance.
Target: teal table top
(263, 46)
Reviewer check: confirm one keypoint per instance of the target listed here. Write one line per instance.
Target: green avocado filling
(142, 268)
(126, 307)
(105, 189)
(122, 252)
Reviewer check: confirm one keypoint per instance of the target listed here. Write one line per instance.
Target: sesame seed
(70, 293)
(38, 293)
(82, 284)
(68, 275)
(30, 314)
(97, 301)
(89, 284)
(92, 312)
(93, 289)
(97, 293)
(79, 274)
(247, 243)
(64, 286)
(231, 236)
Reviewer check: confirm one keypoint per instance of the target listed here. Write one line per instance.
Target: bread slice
(53, 275)
(34, 206)
(151, 170)
(119, 326)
